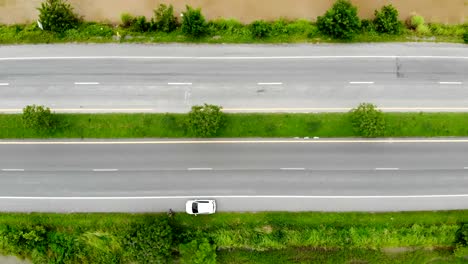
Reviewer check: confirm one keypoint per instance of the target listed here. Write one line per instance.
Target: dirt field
(445, 11)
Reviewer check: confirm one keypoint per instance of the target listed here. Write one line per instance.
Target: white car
(200, 207)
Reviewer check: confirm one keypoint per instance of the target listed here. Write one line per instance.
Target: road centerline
(103, 170)
(86, 83)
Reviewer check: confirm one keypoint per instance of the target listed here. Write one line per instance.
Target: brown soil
(445, 11)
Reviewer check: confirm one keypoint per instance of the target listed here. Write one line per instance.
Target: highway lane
(317, 175)
(294, 78)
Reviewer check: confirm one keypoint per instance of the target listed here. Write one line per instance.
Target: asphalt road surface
(241, 78)
(257, 175)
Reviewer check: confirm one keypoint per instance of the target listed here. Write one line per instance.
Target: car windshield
(195, 207)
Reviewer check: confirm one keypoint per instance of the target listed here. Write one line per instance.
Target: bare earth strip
(449, 11)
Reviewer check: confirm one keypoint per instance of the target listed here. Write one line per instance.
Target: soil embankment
(447, 11)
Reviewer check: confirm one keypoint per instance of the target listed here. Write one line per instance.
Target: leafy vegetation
(386, 20)
(165, 27)
(260, 29)
(205, 120)
(198, 252)
(164, 19)
(57, 16)
(262, 237)
(367, 120)
(193, 22)
(341, 21)
(234, 125)
(39, 118)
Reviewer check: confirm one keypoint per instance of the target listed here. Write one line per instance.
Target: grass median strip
(235, 126)
(306, 237)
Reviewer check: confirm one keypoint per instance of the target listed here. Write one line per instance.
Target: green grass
(312, 255)
(219, 31)
(269, 237)
(237, 125)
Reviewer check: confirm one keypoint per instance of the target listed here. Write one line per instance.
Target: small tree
(341, 21)
(386, 21)
(39, 118)
(164, 19)
(198, 252)
(193, 22)
(260, 29)
(57, 16)
(206, 120)
(367, 121)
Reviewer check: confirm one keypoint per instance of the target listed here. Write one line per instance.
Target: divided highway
(241, 78)
(329, 175)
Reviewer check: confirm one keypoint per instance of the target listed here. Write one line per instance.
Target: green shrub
(140, 24)
(461, 236)
(127, 20)
(57, 16)
(367, 120)
(206, 120)
(368, 26)
(260, 29)
(341, 21)
(386, 21)
(193, 22)
(39, 118)
(279, 27)
(465, 37)
(198, 252)
(414, 21)
(228, 26)
(300, 26)
(423, 29)
(150, 241)
(164, 19)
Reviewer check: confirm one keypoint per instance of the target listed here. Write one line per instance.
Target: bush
(465, 37)
(368, 26)
(193, 22)
(198, 252)
(164, 19)
(206, 120)
(461, 236)
(386, 21)
(39, 118)
(260, 29)
(57, 16)
(141, 25)
(423, 29)
(127, 20)
(151, 241)
(279, 27)
(367, 120)
(341, 21)
(415, 21)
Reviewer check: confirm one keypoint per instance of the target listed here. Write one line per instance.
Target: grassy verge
(219, 31)
(411, 237)
(237, 125)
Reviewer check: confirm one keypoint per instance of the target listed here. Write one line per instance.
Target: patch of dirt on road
(448, 11)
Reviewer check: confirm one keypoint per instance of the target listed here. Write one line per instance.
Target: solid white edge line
(12, 169)
(235, 197)
(292, 168)
(361, 82)
(177, 83)
(286, 141)
(450, 82)
(196, 169)
(86, 83)
(4, 84)
(386, 168)
(269, 83)
(229, 57)
(101, 170)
